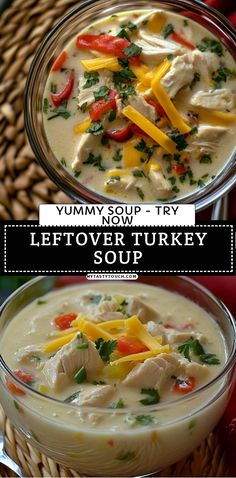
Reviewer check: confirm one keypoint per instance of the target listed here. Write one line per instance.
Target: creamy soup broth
(95, 132)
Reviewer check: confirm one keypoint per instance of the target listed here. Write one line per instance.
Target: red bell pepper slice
(65, 93)
(119, 135)
(184, 386)
(24, 376)
(179, 39)
(100, 107)
(60, 60)
(130, 345)
(178, 168)
(64, 321)
(138, 131)
(109, 44)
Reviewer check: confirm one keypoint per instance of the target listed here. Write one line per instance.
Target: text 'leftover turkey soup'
(141, 106)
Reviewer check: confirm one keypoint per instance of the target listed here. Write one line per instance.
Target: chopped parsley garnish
(166, 157)
(168, 30)
(130, 25)
(95, 161)
(179, 139)
(53, 88)
(92, 77)
(127, 74)
(144, 420)
(80, 335)
(206, 158)
(112, 116)
(123, 62)
(101, 93)
(83, 107)
(82, 346)
(123, 34)
(222, 75)
(104, 140)
(170, 57)
(63, 162)
(132, 50)
(175, 189)
(140, 193)
(118, 404)
(196, 78)
(172, 180)
(113, 179)
(64, 103)
(210, 44)
(63, 113)
(194, 130)
(104, 348)
(72, 397)
(209, 359)
(141, 146)
(77, 174)
(36, 358)
(185, 22)
(45, 105)
(153, 396)
(117, 156)
(41, 302)
(81, 375)
(139, 173)
(200, 183)
(127, 455)
(95, 128)
(16, 405)
(195, 346)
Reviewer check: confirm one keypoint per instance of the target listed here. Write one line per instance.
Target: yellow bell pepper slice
(161, 70)
(168, 106)
(131, 156)
(110, 63)
(82, 127)
(157, 22)
(216, 118)
(155, 133)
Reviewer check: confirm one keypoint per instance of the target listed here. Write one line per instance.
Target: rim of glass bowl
(38, 73)
(160, 406)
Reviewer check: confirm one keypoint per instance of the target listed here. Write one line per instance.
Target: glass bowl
(78, 439)
(70, 25)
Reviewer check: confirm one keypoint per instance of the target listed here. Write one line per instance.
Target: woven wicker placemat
(207, 460)
(23, 183)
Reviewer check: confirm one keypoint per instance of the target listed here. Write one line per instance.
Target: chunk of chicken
(192, 369)
(161, 185)
(26, 354)
(60, 369)
(96, 396)
(120, 181)
(156, 49)
(206, 140)
(88, 143)
(86, 95)
(179, 75)
(140, 104)
(107, 311)
(153, 372)
(205, 63)
(144, 312)
(173, 336)
(220, 100)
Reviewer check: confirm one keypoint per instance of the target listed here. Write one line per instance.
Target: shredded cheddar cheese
(140, 357)
(136, 328)
(80, 128)
(58, 343)
(110, 63)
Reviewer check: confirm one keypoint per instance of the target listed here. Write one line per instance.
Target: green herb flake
(143, 148)
(194, 130)
(117, 156)
(71, 397)
(211, 44)
(200, 183)
(36, 358)
(53, 88)
(222, 75)
(128, 455)
(77, 174)
(130, 25)
(45, 105)
(140, 193)
(83, 107)
(104, 140)
(82, 346)
(206, 158)
(80, 335)
(41, 302)
(175, 189)
(139, 173)
(113, 179)
(95, 128)
(124, 62)
(98, 382)
(81, 375)
(16, 405)
(63, 162)
(118, 404)
(144, 420)
(112, 116)
(60, 113)
(123, 34)
(132, 50)
(185, 22)
(196, 78)
(172, 180)
(168, 30)
(179, 139)
(92, 77)
(105, 348)
(209, 359)
(101, 93)
(170, 57)
(152, 398)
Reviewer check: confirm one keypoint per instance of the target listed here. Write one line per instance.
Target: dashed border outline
(231, 270)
